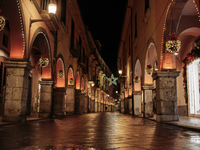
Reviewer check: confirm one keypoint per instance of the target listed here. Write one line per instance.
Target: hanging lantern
(136, 79)
(61, 74)
(43, 61)
(173, 45)
(149, 69)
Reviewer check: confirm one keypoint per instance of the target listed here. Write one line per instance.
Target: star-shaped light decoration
(112, 80)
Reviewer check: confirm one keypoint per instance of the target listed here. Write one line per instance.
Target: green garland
(194, 54)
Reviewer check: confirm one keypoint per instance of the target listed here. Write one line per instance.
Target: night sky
(105, 20)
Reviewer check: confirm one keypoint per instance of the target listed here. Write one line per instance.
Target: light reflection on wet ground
(97, 131)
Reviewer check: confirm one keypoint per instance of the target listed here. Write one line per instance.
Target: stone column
(166, 96)
(70, 99)
(122, 106)
(126, 105)
(77, 109)
(148, 102)
(130, 105)
(137, 103)
(59, 104)
(101, 107)
(46, 99)
(89, 103)
(86, 104)
(92, 105)
(16, 93)
(95, 106)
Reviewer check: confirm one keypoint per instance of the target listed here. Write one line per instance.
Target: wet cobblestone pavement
(97, 131)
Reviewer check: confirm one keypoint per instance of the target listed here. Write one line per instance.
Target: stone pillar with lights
(166, 96)
(46, 99)
(147, 100)
(16, 93)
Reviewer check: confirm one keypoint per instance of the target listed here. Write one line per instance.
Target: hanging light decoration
(2, 22)
(136, 79)
(43, 61)
(173, 45)
(149, 69)
(60, 74)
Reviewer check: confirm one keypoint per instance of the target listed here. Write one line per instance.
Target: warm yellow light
(120, 71)
(92, 84)
(52, 8)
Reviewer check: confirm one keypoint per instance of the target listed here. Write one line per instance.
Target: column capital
(18, 64)
(162, 74)
(148, 87)
(48, 82)
(137, 92)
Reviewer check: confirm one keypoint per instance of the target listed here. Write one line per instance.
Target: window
(146, 5)
(72, 33)
(136, 25)
(5, 40)
(63, 11)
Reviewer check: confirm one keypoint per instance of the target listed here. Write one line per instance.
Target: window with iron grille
(45, 4)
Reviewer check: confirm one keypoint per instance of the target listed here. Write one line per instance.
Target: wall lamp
(51, 10)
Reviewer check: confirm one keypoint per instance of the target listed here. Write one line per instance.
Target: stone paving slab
(190, 123)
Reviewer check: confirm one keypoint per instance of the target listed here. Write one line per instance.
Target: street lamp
(120, 72)
(52, 8)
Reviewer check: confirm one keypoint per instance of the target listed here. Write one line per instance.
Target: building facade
(154, 80)
(50, 63)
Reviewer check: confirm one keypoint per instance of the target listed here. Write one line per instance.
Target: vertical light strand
(162, 38)
(197, 9)
(22, 27)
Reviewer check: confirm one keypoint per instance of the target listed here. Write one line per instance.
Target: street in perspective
(97, 131)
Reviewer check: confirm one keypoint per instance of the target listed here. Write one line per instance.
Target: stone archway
(70, 92)
(59, 107)
(137, 89)
(40, 47)
(151, 57)
(60, 74)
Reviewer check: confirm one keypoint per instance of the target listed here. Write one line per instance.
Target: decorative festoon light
(173, 45)
(112, 80)
(43, 61)
(61, 73)
(149, 69)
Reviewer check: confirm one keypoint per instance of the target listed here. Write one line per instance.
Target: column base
(44, 115)
(14, 119)
(165, 118)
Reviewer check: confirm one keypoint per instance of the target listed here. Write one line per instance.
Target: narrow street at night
(97, 131)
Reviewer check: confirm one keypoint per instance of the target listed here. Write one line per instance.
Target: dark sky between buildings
(104, 19)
